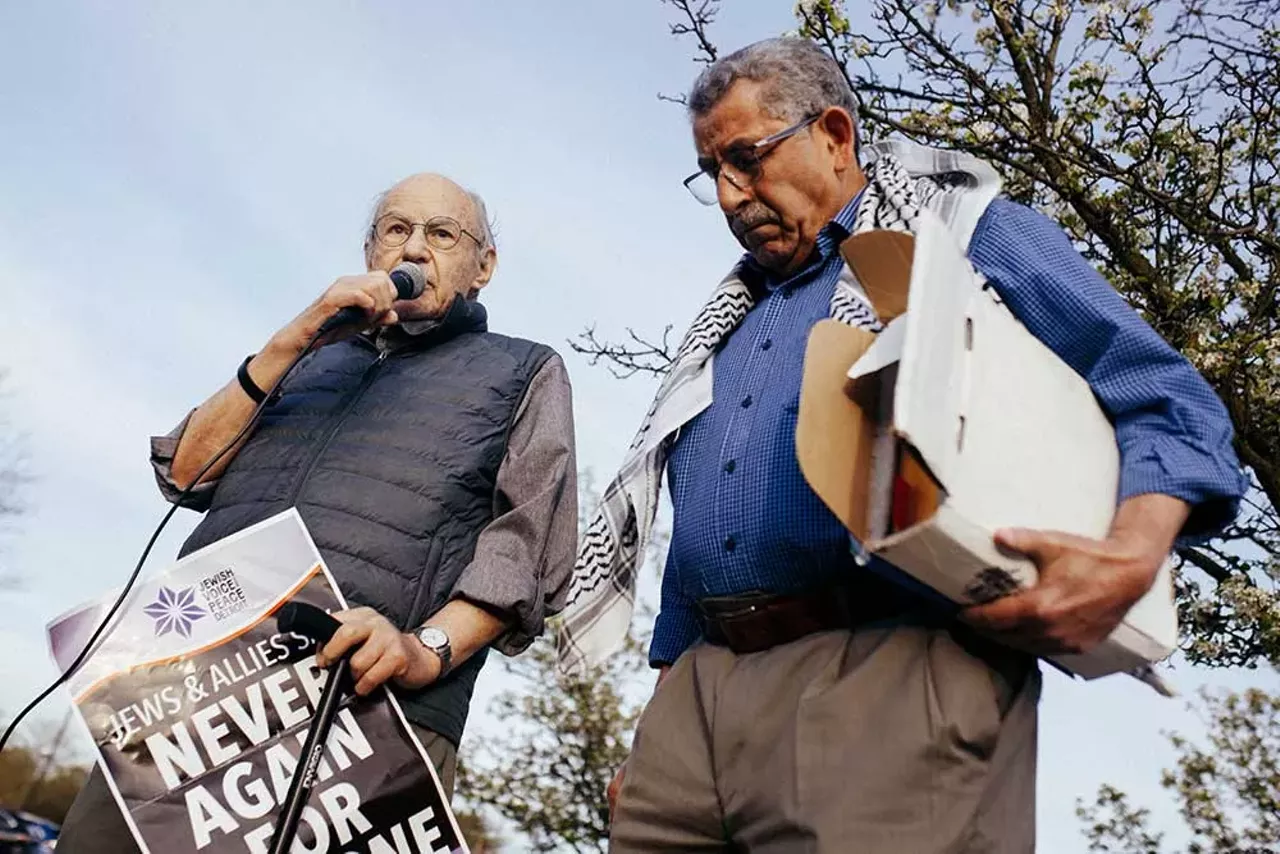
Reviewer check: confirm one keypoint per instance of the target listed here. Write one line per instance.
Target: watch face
(432, 637)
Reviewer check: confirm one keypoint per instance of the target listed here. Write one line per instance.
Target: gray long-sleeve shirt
(524, 557)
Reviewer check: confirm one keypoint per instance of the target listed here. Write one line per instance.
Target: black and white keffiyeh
(902, 178)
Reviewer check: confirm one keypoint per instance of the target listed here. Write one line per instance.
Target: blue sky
(178, 180)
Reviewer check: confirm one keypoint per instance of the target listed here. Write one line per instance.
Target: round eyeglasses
(441, 232)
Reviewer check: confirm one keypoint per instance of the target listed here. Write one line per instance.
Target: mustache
(749, 217)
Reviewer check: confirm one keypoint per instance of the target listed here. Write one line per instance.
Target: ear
(841, 136)
(488, 262)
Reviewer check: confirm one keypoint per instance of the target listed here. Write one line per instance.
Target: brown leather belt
(751, 622)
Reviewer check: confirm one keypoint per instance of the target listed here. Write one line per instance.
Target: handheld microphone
(410, 282)
(310, 621)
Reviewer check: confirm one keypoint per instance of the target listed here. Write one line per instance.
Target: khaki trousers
(94, 824)
(890, 740)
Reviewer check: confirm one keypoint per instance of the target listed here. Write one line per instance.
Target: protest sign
(198, 708)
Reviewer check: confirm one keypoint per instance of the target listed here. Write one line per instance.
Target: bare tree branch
(1211, 567)
(697, 16)
(625, 360)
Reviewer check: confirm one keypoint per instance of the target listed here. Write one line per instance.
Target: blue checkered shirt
(745, 519)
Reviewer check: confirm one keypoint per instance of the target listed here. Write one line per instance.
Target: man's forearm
(470, 628)
(1150, 523)
(382, 652)
(216, 421)
(219, 418)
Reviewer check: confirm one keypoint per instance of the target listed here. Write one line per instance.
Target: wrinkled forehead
(420, 197)
(737, 120)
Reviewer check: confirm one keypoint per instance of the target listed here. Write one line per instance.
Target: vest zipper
(365, 382)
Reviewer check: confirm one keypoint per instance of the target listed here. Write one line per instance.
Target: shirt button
(730, 543)
(730, 466)
(746, 401)
(768, 342)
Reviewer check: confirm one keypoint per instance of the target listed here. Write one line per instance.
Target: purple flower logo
(175, 612)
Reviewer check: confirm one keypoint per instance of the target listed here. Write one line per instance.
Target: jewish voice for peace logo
(174, 612)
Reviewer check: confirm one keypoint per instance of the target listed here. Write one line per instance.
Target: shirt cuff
(675, 630)
(162, 450)
(519, 598)
(1205, 481)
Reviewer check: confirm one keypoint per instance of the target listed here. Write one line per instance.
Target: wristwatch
(437, 641)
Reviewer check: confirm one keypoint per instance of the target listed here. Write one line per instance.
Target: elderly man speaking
(805, 704)
(432, 461)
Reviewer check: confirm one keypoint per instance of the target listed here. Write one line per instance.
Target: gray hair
(799, 79)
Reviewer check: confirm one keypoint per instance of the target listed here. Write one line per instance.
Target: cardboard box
(956, 421)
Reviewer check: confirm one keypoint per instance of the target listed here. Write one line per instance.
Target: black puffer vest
(391, 457)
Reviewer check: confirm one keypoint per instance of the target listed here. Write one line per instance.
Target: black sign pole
(314, 623)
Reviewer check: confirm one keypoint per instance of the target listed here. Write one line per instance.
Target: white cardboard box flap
(1013, 434)
(930, 396)
(884, 351)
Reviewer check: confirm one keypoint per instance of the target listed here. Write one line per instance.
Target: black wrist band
(246, 381)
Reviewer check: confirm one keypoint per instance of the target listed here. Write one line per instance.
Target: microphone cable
(137, 570)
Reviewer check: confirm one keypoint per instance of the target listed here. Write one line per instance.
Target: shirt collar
(463, 315)
(841, 225)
